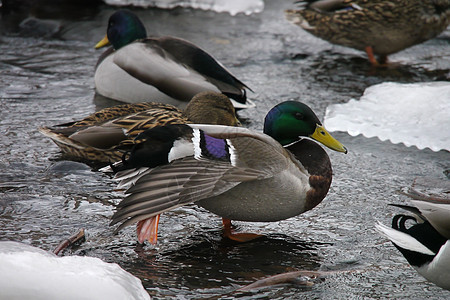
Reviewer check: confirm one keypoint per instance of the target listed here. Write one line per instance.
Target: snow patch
(416, 114)
(233, 7)
(28, 272)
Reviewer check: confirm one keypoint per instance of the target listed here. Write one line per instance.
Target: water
(48, 80)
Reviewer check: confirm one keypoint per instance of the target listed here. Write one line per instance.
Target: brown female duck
(99, 136)
(379, 27)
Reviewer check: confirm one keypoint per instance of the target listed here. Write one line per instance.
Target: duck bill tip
(323, 136)
(103, 43)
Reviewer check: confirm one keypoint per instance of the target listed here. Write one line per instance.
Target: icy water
(47, 78)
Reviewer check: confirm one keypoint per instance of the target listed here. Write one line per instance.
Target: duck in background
(379, 27)
(137, 67)
(99, 137)
(234, 172)
(425, 244)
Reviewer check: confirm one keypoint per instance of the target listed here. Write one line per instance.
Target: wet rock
(39, 28)
(68, 167)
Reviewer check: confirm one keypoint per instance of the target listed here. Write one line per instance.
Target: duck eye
(298, 116)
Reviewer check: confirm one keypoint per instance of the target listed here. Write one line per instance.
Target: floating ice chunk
(233, 7)
(413, 114)
(27, 272)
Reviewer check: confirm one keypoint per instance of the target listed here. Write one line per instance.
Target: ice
(28, 272)
(232, 7)
(413, 114)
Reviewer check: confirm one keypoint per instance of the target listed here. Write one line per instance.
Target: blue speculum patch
(214, 148)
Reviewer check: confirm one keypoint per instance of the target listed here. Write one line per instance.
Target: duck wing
(431, 199)
(111, 127)
(177, 68)
(326, 5)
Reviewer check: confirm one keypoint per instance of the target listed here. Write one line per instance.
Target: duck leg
(238, 237)
(383, 59)
(372, 59)
(148, 230)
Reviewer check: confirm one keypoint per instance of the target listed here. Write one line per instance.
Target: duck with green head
(170, 69)
(379, 27)
(236, 173)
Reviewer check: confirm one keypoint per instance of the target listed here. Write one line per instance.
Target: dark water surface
(47, 78)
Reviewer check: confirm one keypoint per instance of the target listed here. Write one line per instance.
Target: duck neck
(316, 161)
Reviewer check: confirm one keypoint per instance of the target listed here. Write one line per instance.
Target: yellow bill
(104, 42)
(323, 136)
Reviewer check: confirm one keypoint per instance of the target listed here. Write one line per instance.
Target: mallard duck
(137, 67)
(100, 136)
(425, 248)
(234, 172)
(379, 27)
(425, 244)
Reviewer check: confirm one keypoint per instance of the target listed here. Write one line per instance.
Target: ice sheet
(413, 114)
(28, 272)
(232, 7)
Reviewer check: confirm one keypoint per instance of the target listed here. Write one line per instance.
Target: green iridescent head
(290, 120)
(124, 27)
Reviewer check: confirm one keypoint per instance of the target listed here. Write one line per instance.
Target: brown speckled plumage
(124, 110)
(101, 136)
(387, 26)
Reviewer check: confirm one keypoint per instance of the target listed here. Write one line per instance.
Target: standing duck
(234, 172)
(100, 136)
(137, 67)
(379, 27)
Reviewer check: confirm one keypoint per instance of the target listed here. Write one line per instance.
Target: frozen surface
(44, 198)
(415, 114)
(28, 272)
(232, 7)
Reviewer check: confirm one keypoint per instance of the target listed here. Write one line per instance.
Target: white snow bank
(28, 272)
(413, 114)
(232, 7)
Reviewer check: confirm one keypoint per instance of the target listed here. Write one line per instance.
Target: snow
(232, 7)
(28, 272)
(416, 114)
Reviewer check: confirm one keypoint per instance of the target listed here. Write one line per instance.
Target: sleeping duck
(99, 137)
(379, 27)
(137, 67)
(234, 172)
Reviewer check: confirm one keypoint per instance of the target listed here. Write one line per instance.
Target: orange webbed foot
(148, 230)
(238, 237)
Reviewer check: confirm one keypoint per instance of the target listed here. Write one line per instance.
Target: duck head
(290, 120)
(124, 27)
(211, 108)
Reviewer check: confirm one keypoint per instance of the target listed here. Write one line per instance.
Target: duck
(99, 137)
(378, 27)
(426, 243)
(234, 172)
(136, 67)
(28, 272)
